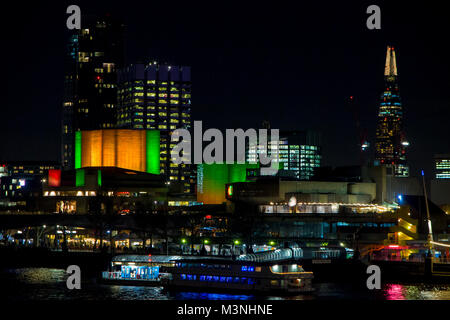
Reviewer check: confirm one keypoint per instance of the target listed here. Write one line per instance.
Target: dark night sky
(291, 63)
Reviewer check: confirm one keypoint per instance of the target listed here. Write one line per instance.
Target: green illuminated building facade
(212, 179)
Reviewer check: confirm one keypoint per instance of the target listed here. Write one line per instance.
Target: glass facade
(442, 166)
(390, 145)
(299, 154)
(156, 96)
(90, 89)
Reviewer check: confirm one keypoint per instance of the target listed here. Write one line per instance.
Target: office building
(390, 145)
(94, 53)
(299, 154)
(158, 96)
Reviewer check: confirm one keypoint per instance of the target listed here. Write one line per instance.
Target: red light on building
(54, 177)
(208, 217)
(149, 258)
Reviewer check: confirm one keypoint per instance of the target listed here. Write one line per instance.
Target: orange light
(114, 148)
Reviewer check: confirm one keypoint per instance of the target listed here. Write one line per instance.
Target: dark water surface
(50, 284)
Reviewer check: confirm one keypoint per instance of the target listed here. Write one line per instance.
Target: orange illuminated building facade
(123, 148)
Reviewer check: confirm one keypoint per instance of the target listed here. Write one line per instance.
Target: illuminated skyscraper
(93, 56)
(390, 139)
(299, 153)
(158, 96)
(442, 166)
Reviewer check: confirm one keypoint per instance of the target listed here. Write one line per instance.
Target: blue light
(400, 197)
(244, 268)
(423, 173)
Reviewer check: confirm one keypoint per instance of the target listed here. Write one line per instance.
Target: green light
(230, 191)
(183, 240)
(272, 243)
(77, 149)
(153, 146)
(79, 178)
(206, 241)
(237, 242)
(99, 178)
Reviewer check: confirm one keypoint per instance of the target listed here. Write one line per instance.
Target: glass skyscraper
(442, 166)
(390, 145)
(299, 153)
(158, 96)
(94, 54)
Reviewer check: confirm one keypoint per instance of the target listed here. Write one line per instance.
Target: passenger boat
(137, 270)
(267, 272)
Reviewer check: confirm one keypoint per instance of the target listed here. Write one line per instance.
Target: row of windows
(240, 280)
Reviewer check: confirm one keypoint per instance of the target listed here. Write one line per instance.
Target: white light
(292, 202)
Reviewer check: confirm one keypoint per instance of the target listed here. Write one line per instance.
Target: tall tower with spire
(390, 145)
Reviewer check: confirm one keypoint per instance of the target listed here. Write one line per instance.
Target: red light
(54, 177)
(393, 246)
(98, 77)
(208, 217)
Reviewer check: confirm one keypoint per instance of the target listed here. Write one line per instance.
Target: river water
(50, 284)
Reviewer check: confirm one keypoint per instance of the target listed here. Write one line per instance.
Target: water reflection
(50, 284)
(394, 292)
(416, 292)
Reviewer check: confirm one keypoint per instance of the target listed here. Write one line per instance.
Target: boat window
(251, 269)
(274, 282)
(236, 280)
(209, 278)
(183, 276)
(251, 281)
(215, 278)
(229, 279)
(243, 280)
(258, 269)
(244, 268)
(202, 278)
(222, 279)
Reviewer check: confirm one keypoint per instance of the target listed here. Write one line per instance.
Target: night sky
(294, 64)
